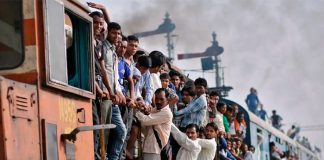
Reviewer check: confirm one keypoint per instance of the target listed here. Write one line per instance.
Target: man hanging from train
(119, 133)
(115, 144)
(100, 76)
(156, 126)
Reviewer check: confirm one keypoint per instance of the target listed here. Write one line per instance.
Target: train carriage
(260, 133)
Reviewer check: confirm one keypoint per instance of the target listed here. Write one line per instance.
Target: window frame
(64, 86)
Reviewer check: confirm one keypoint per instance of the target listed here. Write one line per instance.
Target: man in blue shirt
(195, 111)
(262, 113)
(125, 75)
(252, 101)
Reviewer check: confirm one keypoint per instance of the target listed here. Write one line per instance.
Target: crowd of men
(170, 117)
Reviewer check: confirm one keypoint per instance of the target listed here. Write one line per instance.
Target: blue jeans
(117, 135)
(253, 109)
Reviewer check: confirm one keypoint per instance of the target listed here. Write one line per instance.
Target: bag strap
(157, 137)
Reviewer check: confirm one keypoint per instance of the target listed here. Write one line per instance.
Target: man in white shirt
(189, 142)
(160, 120)
(208, 145)
(221, 109)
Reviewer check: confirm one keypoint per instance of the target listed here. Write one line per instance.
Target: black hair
(96, 13)
(124, 38)
(220, 104)
(144, 61)
(229, 109)
(213, 93)
(132, 38)
(137, 54)
(158, 59)
(213, 125)
(159, 90)
(165, 76)
(190, 90)
(174, 73)
(201, 82)
(182, 78)
(113, 25)
(192, 125)
(239, 114)
(201, 129)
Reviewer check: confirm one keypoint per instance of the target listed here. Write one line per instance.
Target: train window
(78, 50)
(68, 47)
(11, 32)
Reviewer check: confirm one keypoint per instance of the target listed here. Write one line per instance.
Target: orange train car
(46, 79)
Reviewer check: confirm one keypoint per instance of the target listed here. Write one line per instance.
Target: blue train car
(260, 133)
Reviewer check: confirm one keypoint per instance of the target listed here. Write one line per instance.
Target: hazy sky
(272, 45)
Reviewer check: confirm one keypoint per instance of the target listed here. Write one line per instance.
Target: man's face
(238, 143)
(186, 98)
(165, 83)
(160, 100)
(235, 107)
(200, 90)
(240, 118)
(244, 148)
(113, 35)
(229, 145)
(142, 69)
(122, 48)
(176, 81)
(132, 47)
(229, 113)
(234, 145)
(192, 133)
(213, 100)
(210, 132)
(98, 25)
(156, 69)
(119, 41)
(222, 109)
(252, 149)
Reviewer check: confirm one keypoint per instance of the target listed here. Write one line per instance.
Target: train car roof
(255, 119)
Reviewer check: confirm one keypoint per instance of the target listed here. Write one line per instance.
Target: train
(260, 133)
(47, 85)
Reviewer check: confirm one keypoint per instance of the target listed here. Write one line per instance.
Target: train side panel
(19, 121)
(36, 109)
(60, 114)
(260, 140)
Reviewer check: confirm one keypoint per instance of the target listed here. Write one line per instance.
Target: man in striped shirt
(195, 111)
